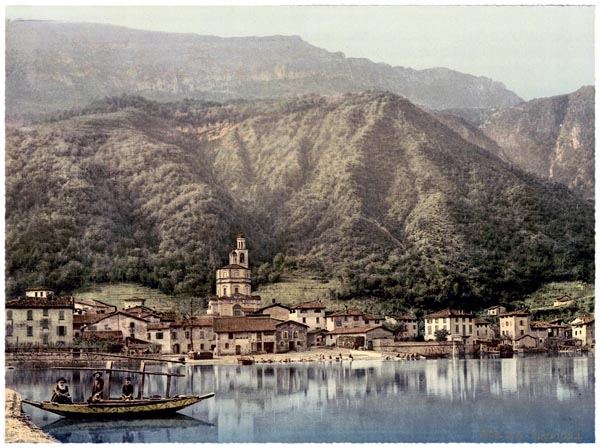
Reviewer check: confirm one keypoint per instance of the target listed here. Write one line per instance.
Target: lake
(523, 399)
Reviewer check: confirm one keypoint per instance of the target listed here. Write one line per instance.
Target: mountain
(52, 66)
(551, 137)
(366, 188)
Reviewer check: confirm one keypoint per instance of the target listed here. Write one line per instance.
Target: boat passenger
(60, 393)
(127, 391)
(97, 388)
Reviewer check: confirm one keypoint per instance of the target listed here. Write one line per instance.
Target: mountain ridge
(53, 66)
(365, 188)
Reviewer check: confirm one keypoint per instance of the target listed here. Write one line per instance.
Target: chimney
(273, 301)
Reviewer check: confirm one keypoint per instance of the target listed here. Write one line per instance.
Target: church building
(233, 289)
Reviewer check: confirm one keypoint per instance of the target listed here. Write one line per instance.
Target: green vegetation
(371, 196)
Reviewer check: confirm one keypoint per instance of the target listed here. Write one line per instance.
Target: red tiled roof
(158, 326)
(203, 321)
(539, 324)
(448, 313)
(293, 322)
(357, 330)
(273, 305)
(243, 324)
(350, 312)
(309, 305)
(80, 319)
(41, 302)
(515, 313)
(583, 320)
(403, 317)
(481, 322)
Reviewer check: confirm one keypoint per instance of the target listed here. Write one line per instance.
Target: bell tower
(240, 254)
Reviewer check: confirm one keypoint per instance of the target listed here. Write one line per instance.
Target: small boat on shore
(139, 407)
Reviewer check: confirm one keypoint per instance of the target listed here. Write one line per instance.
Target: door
(238, 350)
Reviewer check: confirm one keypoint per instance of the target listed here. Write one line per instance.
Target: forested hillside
(365, 188)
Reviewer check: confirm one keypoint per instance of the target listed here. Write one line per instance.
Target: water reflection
(366, 401)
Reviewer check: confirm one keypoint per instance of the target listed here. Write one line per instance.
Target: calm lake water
(524, 399)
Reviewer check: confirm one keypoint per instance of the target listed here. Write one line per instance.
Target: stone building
(357, 337)
(583, 330)
(291, 336)
(233, 286)
(275, 311)
(406, 326)
(130, 325)
(350, 319)
(458, 324)
(244, 335)
(483, 330)
(43, 319)
(309, 313)
(514, 324)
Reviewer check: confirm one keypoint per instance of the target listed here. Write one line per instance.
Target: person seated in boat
(97, 388)
(60, 393)
(127, 391)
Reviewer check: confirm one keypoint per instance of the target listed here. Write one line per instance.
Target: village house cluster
(236, 324)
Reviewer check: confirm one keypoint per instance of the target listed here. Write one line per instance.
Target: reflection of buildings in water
(508, 368)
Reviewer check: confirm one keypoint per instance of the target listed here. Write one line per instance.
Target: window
(304, 320)
(470, 328)
(159, 335)
(456, 328)
(285, 335)
(366, 321)
(9, 315)
(189, 347)
(29, 331)
(29, 314)
(224, 291)
(201, 346)
(241, 258)
(45, 324)
(61, 330)
(237, 290)
(45, 312)
(149, 336)
(61, 315)
(522, 332)
(355, 318)
(202, 335)
(436, 328)
(226, 345)
(9, 330)
(230, 335)
(45, 339)
(295, 335)
(174, 335)
(318, 320)
(187, 334)
(429, 329)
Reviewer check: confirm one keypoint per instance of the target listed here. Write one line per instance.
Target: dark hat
(61, 379)
(97, 373)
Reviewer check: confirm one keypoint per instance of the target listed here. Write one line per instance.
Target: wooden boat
(246, 360)
(139, 407)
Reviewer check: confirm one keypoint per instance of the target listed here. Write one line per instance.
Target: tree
(441, 335)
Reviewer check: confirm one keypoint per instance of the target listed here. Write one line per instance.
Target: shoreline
(19, 427)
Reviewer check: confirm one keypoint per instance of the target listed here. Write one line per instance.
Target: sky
(536, 51)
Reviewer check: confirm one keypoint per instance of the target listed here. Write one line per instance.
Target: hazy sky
(535, 51)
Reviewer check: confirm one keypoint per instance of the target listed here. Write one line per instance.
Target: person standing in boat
(97, 388)
(60, 393)
(127, 391)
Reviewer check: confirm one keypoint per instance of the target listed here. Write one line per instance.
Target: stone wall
(421, 348)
